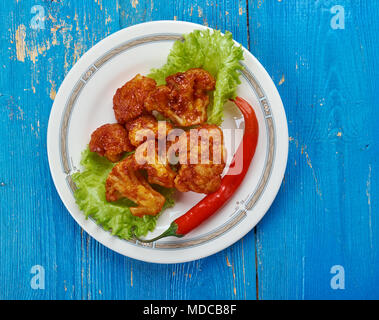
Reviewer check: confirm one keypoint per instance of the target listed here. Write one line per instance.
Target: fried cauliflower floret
(124, 181)
(205, 146)
(145, 127)
(128, 102)
(200, 178)
(110, 141)
(184, 99)
(148, 157)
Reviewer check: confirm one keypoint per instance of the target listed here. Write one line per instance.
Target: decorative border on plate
(242, 206)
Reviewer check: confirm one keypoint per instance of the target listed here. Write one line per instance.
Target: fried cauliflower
(110, 141)
(184, 99)
(145, 127)
(201, 168)
(128, 102)
(148, 157)
(125, 181)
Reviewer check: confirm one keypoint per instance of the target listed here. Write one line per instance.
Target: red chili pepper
(229, 184)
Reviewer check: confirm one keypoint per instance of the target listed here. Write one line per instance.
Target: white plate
(84, 102)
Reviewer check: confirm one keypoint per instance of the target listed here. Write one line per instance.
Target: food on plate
(128, 102)
(214, 52)
(230, 182)
(184, 99)
(128, 179)
(145, 126)
(158, 169)
(110, 141)
(205, 160)
(125, 181)
(113, 216)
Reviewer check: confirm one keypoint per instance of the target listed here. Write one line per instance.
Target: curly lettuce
(112, 216)
(213, 52)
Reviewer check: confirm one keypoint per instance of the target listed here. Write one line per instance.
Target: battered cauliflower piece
(184, 99)
(207, 149)
(124, 181)
(110, 141)
(158, 169)
(128, 102)
(145, 127)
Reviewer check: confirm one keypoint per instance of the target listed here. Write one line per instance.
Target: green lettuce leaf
(116, 216)
(213, 52)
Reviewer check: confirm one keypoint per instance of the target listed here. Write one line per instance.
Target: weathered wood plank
(231, 273)
(35, 228)
(323, 215)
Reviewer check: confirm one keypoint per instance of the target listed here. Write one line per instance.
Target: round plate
(84, 102)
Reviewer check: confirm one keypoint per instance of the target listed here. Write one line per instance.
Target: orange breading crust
(111, 141)
(124, 181)
(157, 167)
(184, 98)
(128, 102)
(204, 176)
(144, 127)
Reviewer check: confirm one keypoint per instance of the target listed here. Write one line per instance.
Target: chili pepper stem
(170, 232)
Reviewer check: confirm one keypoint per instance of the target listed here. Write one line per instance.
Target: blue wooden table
(320, 239)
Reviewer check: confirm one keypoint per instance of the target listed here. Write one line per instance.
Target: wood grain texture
(325, 213)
